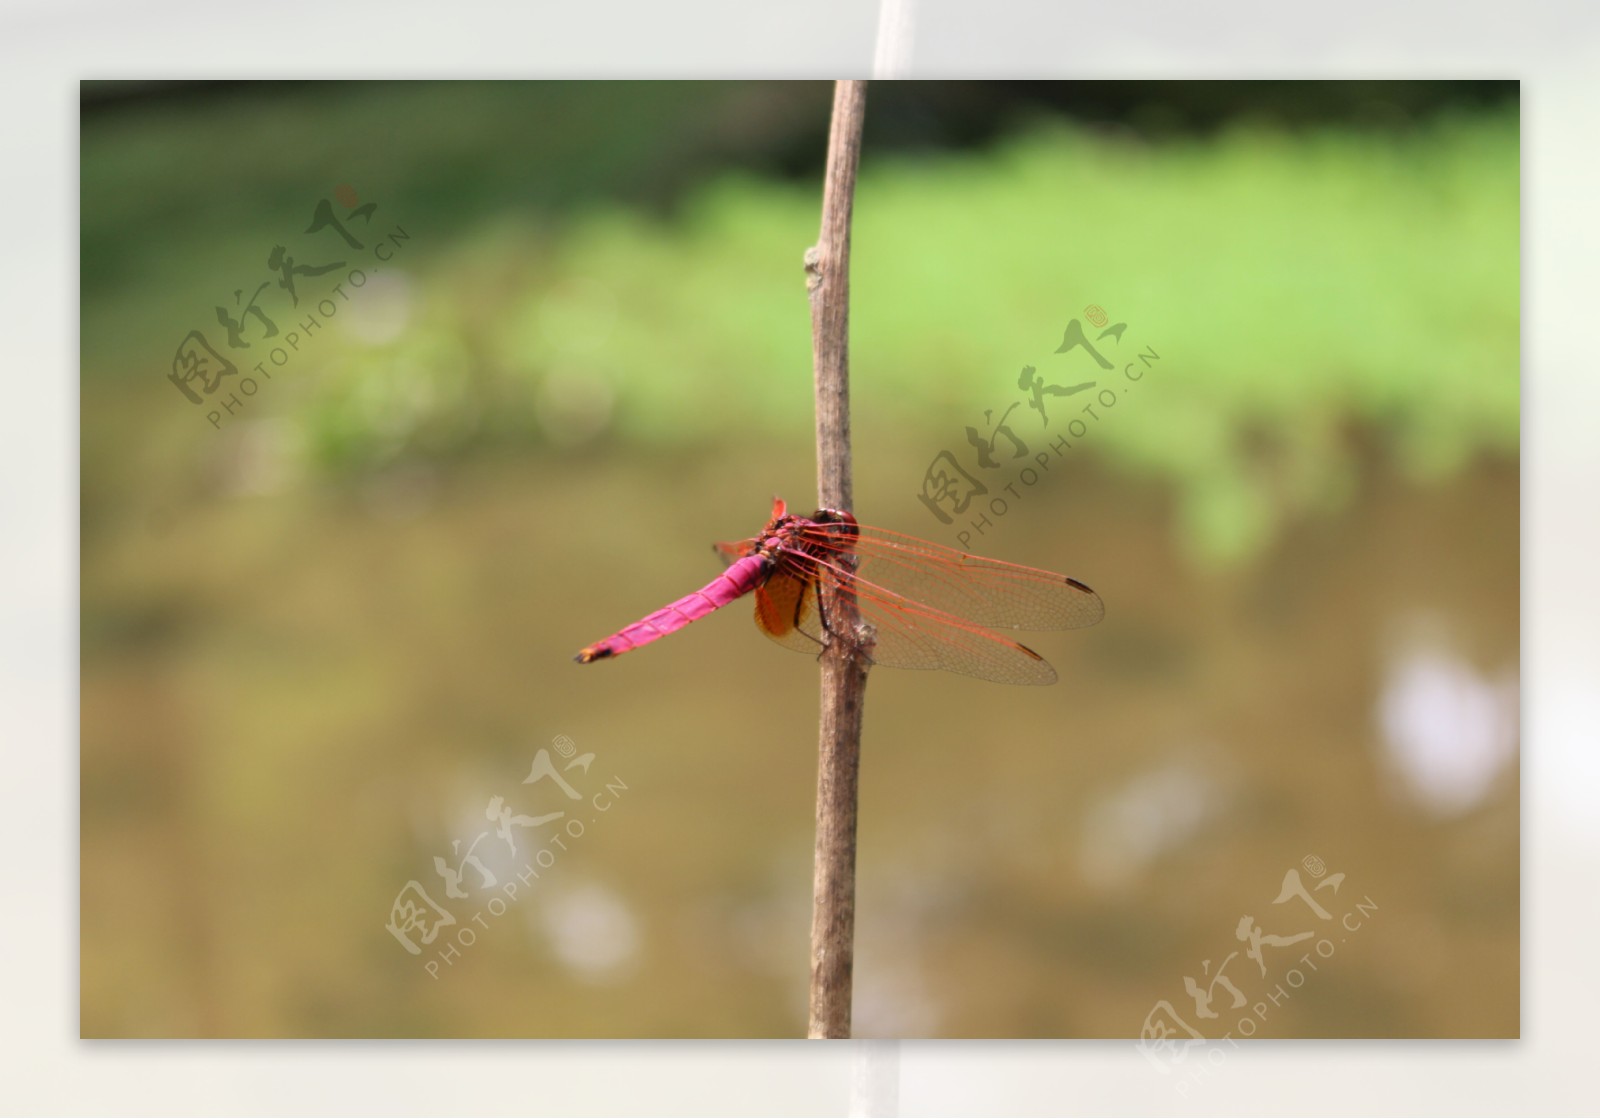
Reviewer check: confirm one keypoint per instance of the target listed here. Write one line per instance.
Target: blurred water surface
(291, 705)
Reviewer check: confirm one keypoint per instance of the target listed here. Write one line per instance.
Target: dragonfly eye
(843, 524)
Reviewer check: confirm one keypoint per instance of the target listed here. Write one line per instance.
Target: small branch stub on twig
(845, 660)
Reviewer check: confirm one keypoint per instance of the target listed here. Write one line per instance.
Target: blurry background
(320, 635)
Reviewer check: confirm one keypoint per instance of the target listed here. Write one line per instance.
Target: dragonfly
(929, 606)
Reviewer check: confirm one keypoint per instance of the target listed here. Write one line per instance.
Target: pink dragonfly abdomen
(742, 576)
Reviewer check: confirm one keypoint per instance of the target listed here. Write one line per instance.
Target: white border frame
(45, 49)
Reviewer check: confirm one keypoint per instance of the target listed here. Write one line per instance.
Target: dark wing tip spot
(1030, 652)
(1071, 582)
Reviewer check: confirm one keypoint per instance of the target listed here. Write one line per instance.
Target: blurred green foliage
(1293, 287)
(1307, 291)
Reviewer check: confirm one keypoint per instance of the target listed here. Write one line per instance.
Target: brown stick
(844, 661)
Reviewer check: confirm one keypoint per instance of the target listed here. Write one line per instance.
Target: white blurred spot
(1448, 731)
(259, 457)
(910, 899)
(891, 999)
(591, 929)
(573, 408)
(1150, 816)
(379, 311)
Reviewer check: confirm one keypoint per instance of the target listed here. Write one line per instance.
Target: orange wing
(786, 611)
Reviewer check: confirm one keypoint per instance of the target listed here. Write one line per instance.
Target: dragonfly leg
(843, 526)
(822, 613)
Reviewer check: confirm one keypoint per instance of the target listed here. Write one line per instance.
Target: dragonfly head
(789, 531)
